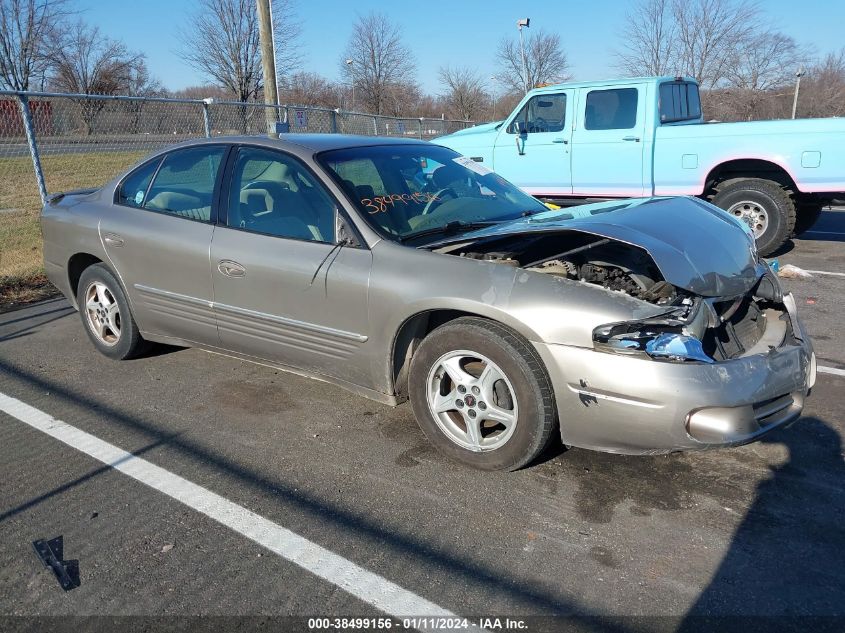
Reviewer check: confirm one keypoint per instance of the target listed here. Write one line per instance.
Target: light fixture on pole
(349, 63)
(526, 22)
(800, 73)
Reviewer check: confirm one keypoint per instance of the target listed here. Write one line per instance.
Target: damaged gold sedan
(401, 270)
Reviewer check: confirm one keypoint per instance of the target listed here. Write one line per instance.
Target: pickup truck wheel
(808, 213)
(481, 395)
(106, 316)
(762, 204)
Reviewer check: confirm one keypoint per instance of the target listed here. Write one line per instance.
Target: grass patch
(20, 233)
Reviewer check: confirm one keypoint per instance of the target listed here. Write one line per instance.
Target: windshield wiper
(450, 228)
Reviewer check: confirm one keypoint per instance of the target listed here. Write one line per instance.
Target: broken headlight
(674, 339)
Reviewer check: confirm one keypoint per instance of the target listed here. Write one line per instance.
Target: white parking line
(364, 585)
(831, 370)
(824, 272)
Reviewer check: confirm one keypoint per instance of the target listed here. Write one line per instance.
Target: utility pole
(526, 22)
(268, 64)
(801, 72)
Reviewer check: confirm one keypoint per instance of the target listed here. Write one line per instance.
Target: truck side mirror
(521, 128)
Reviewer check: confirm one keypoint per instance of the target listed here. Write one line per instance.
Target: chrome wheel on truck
(764, 205)
(754, 215)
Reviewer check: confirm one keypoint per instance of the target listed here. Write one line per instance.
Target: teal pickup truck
(578, 142)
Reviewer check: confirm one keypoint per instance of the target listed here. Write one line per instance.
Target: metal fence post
(334, 121)
(375, 126)
(420, 122)
(206, 116)
(33, 147)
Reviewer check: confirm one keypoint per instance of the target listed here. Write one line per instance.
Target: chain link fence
(58, 142)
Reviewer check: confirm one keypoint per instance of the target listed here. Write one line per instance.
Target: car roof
(312, 143)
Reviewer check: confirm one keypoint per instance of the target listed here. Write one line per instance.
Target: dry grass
(21, 271)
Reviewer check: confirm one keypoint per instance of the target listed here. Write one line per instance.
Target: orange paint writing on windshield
(380, 204)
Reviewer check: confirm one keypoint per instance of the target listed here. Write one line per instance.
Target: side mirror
(521, 128)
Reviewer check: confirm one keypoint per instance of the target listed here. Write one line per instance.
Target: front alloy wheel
(481, 394)
(472, 400)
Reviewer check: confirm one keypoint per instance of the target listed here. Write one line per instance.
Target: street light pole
(801, 72)
(349, 63)
(493, 94)
(526, 22)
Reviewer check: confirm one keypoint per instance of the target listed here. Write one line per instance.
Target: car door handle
(230, 268)
(113, 239)
(636, 139)
(560, 140)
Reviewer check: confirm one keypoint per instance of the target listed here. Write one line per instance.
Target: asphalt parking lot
(752, 531)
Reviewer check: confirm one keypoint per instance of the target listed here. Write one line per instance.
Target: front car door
(157, 235)
(532, 150)
(608, 142)
(285, 290)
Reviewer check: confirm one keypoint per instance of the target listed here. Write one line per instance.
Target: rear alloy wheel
(106, 316)
(765, 206)
(481, 395)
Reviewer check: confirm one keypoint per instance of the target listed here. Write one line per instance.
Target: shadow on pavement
(464, 571)
(787, 557)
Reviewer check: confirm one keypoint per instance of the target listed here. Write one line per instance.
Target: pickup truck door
(533, 148)
(608, 142)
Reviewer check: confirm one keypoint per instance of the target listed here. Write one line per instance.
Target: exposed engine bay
(721, 328)
(601, 261)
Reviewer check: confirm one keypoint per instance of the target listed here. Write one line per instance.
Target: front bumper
(635, 405)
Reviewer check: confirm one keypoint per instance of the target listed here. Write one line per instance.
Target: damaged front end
(718, 300)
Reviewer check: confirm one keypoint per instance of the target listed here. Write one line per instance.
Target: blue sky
(438, 32)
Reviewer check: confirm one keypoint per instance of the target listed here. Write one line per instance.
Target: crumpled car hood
(696, 245)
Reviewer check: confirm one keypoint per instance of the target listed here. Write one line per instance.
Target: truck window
(613, 109)
(679, 101)
(542, 113)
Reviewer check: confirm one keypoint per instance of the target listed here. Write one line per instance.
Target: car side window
(679, 101)
(133, 190)
(542, 113)
(274, 194)
(614, 109)
(184, 185)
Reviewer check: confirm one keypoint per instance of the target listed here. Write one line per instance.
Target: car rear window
(679, 101)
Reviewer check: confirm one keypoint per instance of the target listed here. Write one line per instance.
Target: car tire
(764, 205)
(808, 214)
(106, 316)
(503, 378)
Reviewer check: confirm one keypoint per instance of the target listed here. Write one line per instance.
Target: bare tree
(90, 63)
(379, 61)
(758, 65)
(465, 96)
(708, 33)
(544, 59)
(27, 32)
(222, 43)
(310, 89)
(823, 89)
(649, 39)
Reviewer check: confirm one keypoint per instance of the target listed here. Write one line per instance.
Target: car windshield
(417, 193)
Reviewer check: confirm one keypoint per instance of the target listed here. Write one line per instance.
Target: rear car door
(157, 235)
(608, 142)
(532, 150)
(284, 289)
